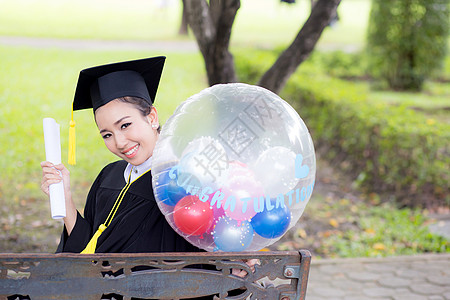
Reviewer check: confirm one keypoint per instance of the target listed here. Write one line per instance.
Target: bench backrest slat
(154, 275)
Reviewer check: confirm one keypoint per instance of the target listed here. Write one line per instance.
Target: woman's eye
(105, 136)
(125, 125)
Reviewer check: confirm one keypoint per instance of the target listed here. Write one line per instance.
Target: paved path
(421, 277)
(90, 44)
(93, 44)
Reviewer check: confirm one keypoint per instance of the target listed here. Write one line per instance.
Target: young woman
(121, 214)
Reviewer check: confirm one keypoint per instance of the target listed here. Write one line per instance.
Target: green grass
(103, 19)
(347, 227)
(381, 231)
(433, 101)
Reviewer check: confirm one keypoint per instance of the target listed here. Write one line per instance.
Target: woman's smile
(131, 152)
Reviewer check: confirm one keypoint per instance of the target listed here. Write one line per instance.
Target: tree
(183, 30)
(212, 24)
(407, 40)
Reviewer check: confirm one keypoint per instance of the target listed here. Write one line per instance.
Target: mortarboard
(101, 84)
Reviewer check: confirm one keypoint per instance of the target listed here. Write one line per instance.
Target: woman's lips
(131, 151)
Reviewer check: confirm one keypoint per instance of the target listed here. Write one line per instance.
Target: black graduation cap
(99, 85)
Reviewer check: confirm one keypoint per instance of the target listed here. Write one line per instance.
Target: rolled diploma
(53, 155)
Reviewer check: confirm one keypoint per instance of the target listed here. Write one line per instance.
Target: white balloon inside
(282, 162)
(239, 159)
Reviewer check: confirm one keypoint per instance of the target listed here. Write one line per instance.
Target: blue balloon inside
(231, 235)
(272, 223)
(167, 189)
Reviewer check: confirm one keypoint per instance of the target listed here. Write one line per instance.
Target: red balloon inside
(192, 216)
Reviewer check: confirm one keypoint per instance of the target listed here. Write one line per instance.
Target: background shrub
(407, 40)
(388, 149)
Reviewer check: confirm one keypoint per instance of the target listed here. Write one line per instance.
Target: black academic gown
(138, 226)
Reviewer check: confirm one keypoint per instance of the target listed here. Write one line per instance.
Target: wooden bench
(154, 275)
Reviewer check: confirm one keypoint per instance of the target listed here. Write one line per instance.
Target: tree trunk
(184, 24)
(276, 77)
(211, 25)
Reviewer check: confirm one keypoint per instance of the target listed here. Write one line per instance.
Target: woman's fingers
(239, 273)
(44, 187)
(251, 263)
(47, 180)
(50, 175)
(46, 164)
(51, 171)
(60, 167)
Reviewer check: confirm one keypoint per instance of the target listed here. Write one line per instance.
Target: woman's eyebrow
(120, 120)
(115, 123)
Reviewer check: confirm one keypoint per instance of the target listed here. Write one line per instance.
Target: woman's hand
(251, 263)
(54, 174)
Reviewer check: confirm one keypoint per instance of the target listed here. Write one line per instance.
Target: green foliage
(407, 40)
(384, 231)
(350, 66)
(388, 148)
(245, 64)
(393, 149)
(341, 64)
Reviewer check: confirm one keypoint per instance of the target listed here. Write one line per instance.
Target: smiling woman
(121, 214)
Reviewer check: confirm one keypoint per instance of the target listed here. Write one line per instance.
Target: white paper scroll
(53, 155)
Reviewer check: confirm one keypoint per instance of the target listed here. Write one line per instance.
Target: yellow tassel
(90, 248)
(72, 142)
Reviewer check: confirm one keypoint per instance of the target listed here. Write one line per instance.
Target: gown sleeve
(82, 231)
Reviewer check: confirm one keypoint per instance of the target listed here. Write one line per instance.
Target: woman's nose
(121, 141)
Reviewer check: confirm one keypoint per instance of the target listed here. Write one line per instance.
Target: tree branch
(302, 46)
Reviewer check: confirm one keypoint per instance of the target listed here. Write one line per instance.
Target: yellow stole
(92, 245)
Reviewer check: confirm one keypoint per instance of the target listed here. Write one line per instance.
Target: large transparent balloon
(233, 168)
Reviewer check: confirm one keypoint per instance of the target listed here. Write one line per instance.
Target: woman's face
(126, 132)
